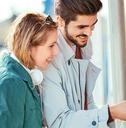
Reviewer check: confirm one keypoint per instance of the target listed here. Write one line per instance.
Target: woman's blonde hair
(29, 30)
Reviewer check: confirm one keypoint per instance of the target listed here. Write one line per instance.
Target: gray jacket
(64, 89)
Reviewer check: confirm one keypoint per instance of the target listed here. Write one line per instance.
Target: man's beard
(72, 40)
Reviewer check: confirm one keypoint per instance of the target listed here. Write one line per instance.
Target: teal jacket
(20, 105)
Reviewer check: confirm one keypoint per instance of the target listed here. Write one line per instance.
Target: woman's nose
(55, 50)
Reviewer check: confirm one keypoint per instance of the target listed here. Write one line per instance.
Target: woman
(32, 46)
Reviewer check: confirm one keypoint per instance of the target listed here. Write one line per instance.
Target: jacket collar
(65, 49)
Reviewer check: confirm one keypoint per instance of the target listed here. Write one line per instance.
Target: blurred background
(108, 40)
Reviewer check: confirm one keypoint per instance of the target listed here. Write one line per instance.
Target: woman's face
(44, 54)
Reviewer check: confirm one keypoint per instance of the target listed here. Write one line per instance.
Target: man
(70, 80)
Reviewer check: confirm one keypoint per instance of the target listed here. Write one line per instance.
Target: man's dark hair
(69, 9)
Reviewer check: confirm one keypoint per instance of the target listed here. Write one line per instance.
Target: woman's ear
(60, 21)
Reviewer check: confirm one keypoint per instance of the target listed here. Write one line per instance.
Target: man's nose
(88, 31)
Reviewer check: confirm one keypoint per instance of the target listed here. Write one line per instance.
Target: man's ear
(60, 21)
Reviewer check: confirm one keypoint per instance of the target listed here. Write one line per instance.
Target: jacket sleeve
(12, 102)
(57, 112)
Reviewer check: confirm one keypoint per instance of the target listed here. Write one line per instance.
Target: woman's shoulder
(10, 80)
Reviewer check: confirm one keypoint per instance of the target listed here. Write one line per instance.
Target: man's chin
(82, 45)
